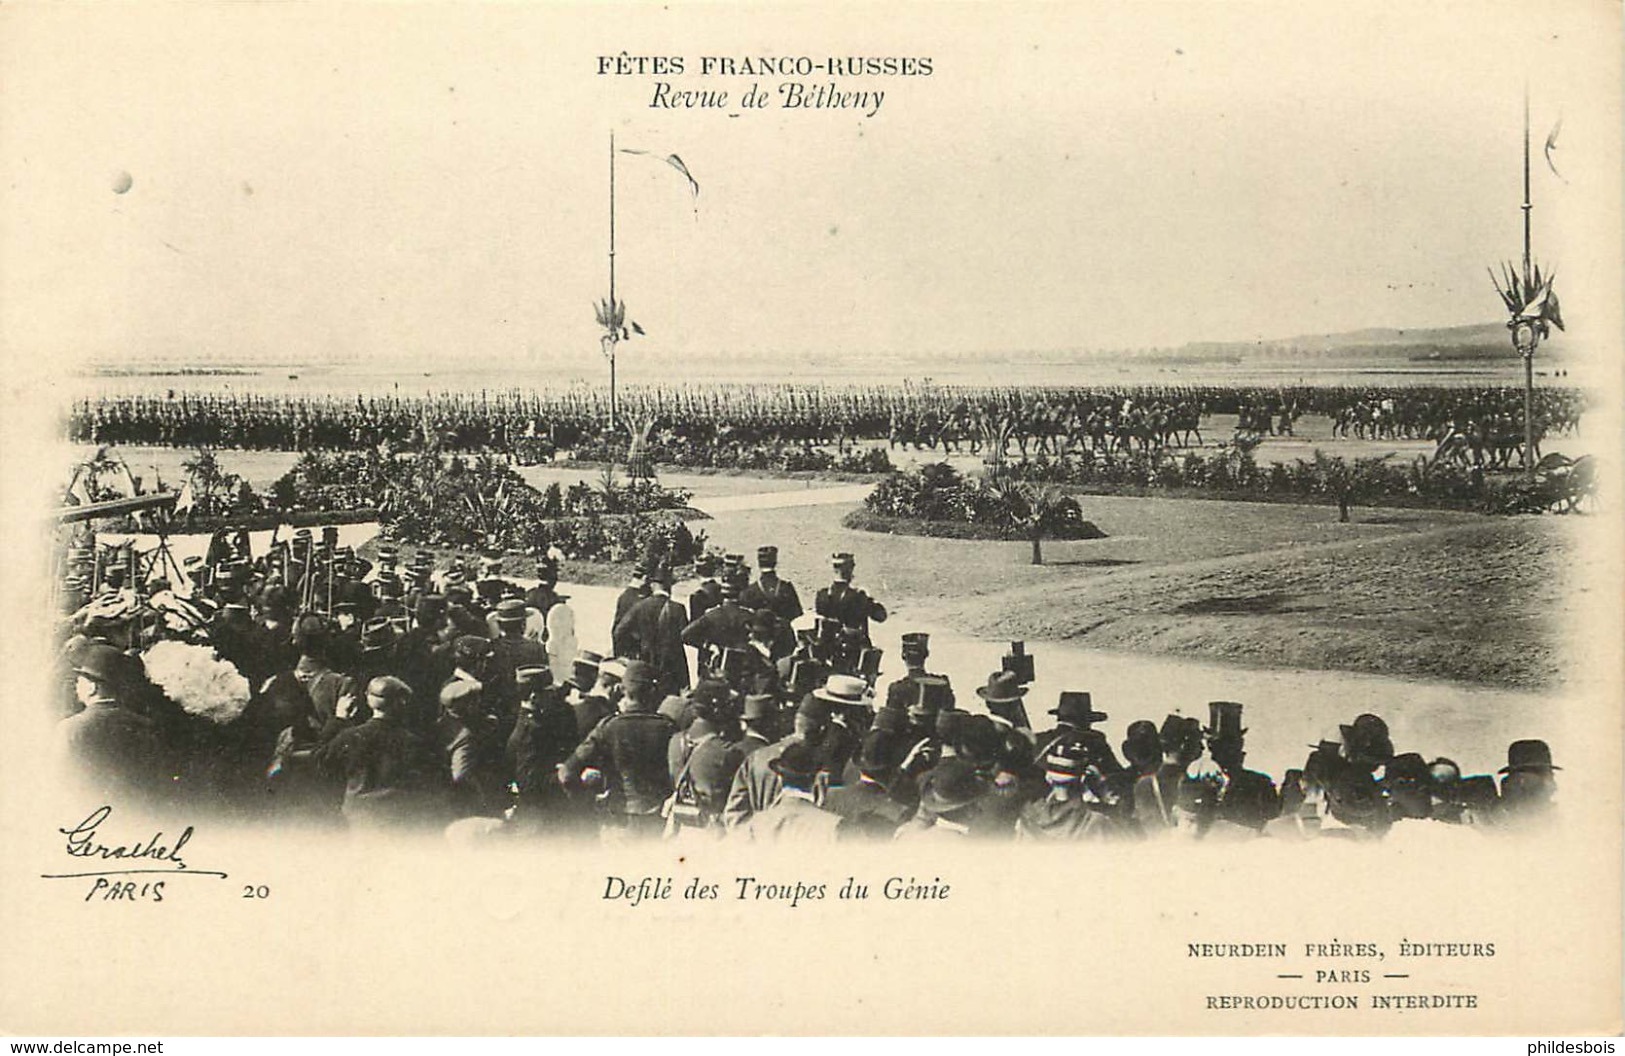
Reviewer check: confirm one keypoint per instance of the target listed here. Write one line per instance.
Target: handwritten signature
(84, 840)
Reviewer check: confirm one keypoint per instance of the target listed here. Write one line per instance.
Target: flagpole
(1528, 276)
(611, 278)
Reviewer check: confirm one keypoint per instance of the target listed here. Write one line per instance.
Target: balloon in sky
(122, 182)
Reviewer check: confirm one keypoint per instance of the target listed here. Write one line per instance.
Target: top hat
(806, 676)
(933, 693)
(760, 706)
(1224, 721)
(511, 610)
(1003, 687)
(843, 689)
(1077, 709)
(1528, 755)
(798, 763)
(953, 785)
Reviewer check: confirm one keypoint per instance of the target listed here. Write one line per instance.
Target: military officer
(851, 610)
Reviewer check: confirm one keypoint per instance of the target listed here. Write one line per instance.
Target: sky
(428, 183)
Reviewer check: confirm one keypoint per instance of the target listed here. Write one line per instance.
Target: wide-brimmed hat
(843, 689)
(1002, 687)
(1077, 708)
(1528, 755)
(953, 785)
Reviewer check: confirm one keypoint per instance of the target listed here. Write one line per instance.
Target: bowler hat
(709, 691)
(1141, 739)
(1528, 755)
(880, 751)
(1002, 688)
(952, 785)
(798, 763)
(842, 689)
(1077, 709)
(639, 672)
(98, 662)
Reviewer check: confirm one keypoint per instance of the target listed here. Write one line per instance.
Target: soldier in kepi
(771, 594)
(915, 650)
(850, 611)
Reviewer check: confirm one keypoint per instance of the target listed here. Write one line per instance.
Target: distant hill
(1477, 342)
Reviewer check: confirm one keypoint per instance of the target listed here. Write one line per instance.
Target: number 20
(252, 891)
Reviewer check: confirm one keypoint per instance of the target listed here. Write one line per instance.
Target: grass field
(1411, 593)
(1425, 595)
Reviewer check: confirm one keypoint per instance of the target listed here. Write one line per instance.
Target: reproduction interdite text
(1335, 974)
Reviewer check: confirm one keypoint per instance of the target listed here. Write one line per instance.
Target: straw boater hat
(843, 689)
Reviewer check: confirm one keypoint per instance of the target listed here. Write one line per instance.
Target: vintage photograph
(678, 481)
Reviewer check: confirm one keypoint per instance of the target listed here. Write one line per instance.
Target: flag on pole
(677, 163)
